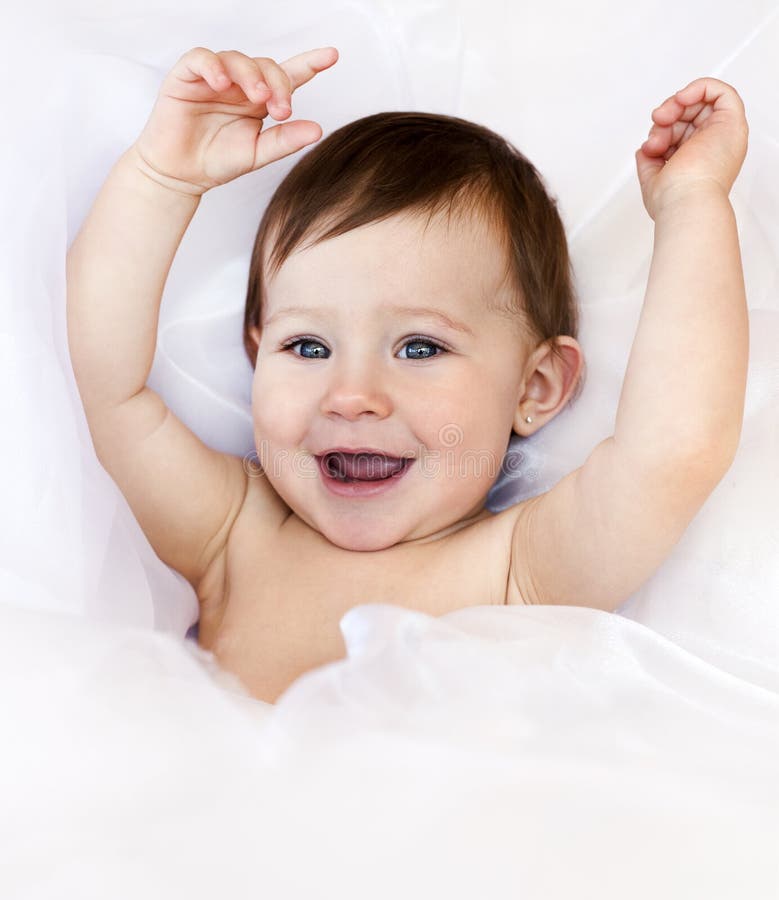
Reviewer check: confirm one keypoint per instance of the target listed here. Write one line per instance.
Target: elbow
(709, 452)
(694, 454)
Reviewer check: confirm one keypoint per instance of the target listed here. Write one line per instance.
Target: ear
(549, 382)
(254, 334)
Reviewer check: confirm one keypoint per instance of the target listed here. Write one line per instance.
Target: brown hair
(393, 162)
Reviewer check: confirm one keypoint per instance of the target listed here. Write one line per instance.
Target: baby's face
(372, 369)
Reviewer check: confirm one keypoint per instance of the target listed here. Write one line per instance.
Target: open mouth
(362, 467)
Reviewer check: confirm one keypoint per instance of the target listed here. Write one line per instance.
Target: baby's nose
(357, 391)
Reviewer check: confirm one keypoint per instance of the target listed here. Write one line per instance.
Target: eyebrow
(428, 312)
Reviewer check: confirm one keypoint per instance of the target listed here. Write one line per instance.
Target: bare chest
(285, 595)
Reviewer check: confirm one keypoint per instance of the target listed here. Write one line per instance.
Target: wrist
(687, 194)
(134, 159)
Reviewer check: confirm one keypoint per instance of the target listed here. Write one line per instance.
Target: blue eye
(417, 348)
(319, 350)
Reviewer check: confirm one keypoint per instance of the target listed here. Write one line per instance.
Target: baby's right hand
(206, 126)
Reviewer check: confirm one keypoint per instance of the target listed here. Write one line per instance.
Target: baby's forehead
(451, 226)
(456, 253)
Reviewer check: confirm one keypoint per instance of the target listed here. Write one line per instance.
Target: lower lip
(360, 488)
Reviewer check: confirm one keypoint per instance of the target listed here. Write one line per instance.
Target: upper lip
(373, 450)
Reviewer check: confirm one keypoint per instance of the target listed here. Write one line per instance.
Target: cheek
(470, 430)
(439, 407)
(278, 410)
(455, 419)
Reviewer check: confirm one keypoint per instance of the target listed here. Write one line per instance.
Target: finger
(696, 111)
(668, 111)
(298, 70)
(711, 90)
(278, 81)
(661, 137)
(704, 113)
(244, 71)
(647, 167)
(671, 110)
(305, 66)
(282, 140)
(199, 62)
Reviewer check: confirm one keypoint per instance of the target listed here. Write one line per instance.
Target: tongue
(363, 466)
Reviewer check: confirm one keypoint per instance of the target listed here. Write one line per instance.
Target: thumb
(284, 139)
(647, 168)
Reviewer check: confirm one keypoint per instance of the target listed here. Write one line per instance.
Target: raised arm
(205, 130)
(116, 271)
(605, 528)
(686, 378)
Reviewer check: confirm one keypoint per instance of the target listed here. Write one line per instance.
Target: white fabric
(532, 752)
(521, 752)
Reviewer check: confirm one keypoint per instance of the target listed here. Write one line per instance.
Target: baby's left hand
(699, 139)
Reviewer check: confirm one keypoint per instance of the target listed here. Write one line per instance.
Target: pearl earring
(528, 419)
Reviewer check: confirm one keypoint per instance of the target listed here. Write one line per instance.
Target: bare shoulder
(185, 495)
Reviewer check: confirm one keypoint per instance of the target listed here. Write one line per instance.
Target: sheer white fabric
(491, 749)
(534, 752)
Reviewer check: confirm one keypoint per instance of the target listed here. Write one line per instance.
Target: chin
(360, 538)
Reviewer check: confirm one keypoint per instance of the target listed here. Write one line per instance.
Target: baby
(410, 305)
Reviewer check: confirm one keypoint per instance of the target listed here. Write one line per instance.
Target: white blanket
(535, 752)
(524, 752)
